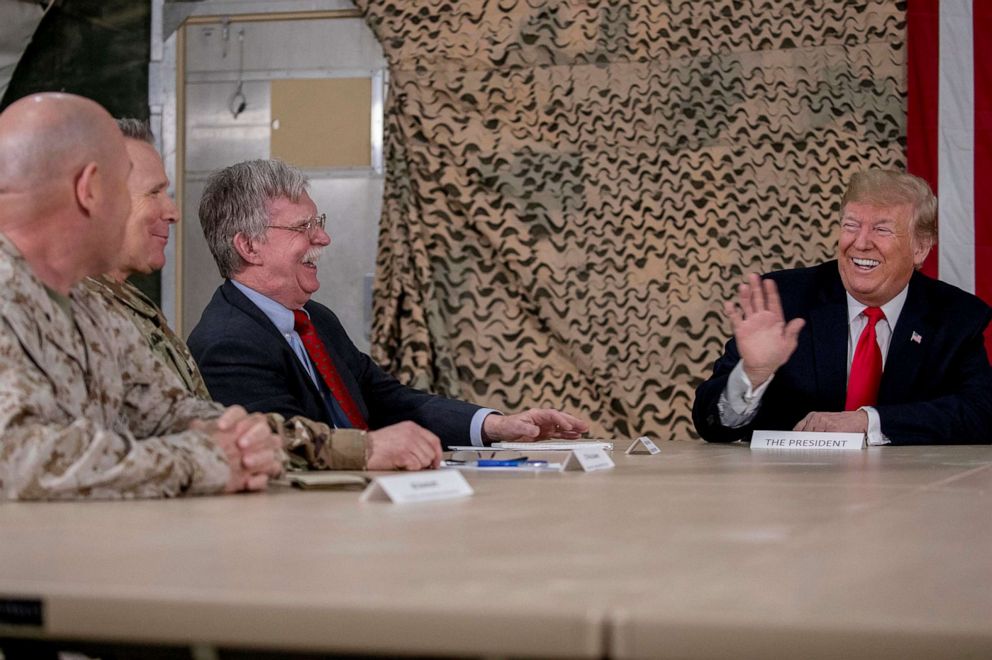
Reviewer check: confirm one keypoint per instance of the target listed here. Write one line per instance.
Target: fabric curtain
(573, 188)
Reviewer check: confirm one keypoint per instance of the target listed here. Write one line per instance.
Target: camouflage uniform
(86, 410)
(309, 444)
(152, 324)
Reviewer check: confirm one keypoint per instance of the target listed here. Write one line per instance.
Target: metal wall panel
(214, 138)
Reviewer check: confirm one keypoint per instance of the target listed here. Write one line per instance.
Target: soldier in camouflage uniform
(86, 410)
(309, 444)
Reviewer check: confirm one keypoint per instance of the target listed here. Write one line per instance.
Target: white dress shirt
(739, 401)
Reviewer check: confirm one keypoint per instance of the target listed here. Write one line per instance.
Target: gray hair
(890, 187)
(136, 129)
(234, 202)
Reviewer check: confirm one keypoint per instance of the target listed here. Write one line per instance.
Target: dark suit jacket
(246, 361)
(935, 391)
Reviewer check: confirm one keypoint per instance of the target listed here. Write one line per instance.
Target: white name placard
(589, 460)
(807, 440)
(643, 445)
(423, 486)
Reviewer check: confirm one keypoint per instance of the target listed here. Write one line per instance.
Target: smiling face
(286, 265)
(877, 252)
(152, 212)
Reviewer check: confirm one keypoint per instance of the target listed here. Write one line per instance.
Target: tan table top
(701, 551)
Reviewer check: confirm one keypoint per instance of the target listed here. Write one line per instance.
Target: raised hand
(764, 340)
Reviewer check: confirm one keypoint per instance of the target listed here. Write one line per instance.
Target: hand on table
(764, 340)
(403, 446)
(253, 452)
(853, 421)
(533, 424)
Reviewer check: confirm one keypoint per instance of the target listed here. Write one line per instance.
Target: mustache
(313, 255)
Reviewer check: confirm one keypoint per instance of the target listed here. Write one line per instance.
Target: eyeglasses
(309, 227)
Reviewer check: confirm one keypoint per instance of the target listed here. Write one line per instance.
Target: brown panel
(322, 123)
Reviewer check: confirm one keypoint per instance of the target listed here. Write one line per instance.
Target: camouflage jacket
(152, 325)
(86, 409)
(309, 444)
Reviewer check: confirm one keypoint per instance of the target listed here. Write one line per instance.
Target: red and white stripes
(949, 132)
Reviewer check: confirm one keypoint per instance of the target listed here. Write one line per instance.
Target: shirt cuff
(875, 436)
(739, 401)
(475, 429)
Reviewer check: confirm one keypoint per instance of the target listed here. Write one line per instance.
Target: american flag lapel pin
(916, 338)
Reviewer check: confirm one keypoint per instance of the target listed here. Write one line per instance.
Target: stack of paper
(555, 445)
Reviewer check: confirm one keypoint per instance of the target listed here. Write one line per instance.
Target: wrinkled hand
(253, 452)
(534, 424)
(764, 340)
(853, 421)
(403, 446)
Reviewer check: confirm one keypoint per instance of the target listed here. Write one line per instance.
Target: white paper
(554, 445)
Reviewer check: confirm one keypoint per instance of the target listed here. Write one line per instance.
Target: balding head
(63, 179)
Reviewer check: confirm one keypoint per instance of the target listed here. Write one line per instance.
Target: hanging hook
(238, 101)
(225, 35)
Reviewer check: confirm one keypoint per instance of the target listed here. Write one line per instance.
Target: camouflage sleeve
(45, 454)
(156, 401)
(311, 445)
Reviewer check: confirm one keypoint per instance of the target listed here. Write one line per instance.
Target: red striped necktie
(325, 367)
(866, 367)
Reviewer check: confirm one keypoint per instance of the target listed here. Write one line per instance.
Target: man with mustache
(872, 345)
(308, 443)
(263, 343)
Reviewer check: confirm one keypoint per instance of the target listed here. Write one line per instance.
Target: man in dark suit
(263, 343)
(873, 346)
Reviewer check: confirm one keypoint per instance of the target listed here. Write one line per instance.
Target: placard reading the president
(807, 440)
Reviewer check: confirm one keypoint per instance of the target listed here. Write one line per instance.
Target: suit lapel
(241, 301)
(905, 356)
(828, 332)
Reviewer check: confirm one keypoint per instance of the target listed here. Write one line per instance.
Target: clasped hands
(254, 454)
(766, 342)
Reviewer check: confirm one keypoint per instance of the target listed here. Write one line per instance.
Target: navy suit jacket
(246, 361)
(937, 390)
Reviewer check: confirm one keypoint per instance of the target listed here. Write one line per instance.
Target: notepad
(555, 445)
(319, 480)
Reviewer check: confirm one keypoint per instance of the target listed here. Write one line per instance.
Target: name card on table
(807, 440)
(424, 486)
(589, 460)
(643, 445)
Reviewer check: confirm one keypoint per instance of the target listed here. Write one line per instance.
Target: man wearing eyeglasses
(263, 343)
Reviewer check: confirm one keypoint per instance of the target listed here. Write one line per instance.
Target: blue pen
(512, 462)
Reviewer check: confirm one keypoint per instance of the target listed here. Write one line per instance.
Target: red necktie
(325, 367)
(866, 367)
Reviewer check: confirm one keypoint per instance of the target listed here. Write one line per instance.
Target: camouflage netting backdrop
(573, 187)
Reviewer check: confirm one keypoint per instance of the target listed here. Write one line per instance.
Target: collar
(280, 316)
(125, 293)
(891, 309)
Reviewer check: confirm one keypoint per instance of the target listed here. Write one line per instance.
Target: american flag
(949, 133)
